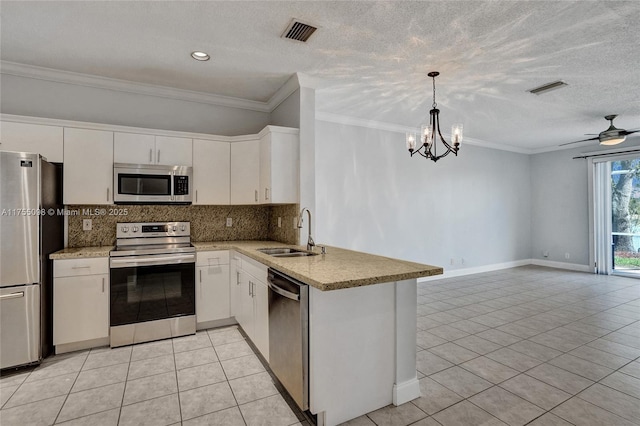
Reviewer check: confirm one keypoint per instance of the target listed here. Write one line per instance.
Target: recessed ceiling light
(200, 56)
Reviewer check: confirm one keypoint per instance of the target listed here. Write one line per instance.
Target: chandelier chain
(434, 105)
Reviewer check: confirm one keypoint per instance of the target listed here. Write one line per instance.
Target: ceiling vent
(548, 87)
(298, 31)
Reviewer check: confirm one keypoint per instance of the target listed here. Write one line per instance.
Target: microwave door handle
(173, 181)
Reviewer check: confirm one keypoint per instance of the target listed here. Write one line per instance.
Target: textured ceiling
(372, 57)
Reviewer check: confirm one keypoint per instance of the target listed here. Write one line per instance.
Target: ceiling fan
(611, 136)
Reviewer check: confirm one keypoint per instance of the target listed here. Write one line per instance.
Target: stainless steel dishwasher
(289, 335)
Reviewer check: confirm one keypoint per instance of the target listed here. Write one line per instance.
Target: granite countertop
(337, 269)
(80, 252)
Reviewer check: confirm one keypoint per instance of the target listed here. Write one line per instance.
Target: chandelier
(430, 133)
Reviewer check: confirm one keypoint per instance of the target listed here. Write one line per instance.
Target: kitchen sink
(286, 252)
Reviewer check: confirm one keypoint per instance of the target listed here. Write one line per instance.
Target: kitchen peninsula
(362, 323)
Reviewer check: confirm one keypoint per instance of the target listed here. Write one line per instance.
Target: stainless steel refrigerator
(31, 228)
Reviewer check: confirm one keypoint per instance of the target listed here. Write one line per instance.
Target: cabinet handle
(107, 194)
(150, 156)
(237, 277)
(80, 267)
(201, 276)
(196, 195)
(103, 284)
(256, 195)
(266, 193)
(249, 288)
(158, 160)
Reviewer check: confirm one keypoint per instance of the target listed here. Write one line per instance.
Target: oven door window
(135, 184)
(147, 293)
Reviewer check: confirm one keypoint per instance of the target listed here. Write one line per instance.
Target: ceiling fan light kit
(430, 133)
(611, 136)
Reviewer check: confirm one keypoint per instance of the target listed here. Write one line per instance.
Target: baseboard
(562, 265)
(78, 346)
(498, 266)
(406, 391)
(477, 270)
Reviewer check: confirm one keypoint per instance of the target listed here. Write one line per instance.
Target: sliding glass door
(616, 196)
(625, 215)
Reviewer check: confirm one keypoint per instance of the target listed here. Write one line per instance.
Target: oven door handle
(153, 260)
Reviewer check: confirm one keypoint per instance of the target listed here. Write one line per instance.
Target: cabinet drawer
(212, 258)
(255, 268)
(76, 267)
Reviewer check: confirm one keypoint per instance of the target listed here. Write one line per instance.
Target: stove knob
(134, 229)
(183, 228)
(174, 228)
(125, 229)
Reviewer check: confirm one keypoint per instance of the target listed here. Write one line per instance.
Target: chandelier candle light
(430, 132)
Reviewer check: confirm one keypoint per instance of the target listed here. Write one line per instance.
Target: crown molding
(398, 128)
(129, 129)
(286, 90)
(69, 77)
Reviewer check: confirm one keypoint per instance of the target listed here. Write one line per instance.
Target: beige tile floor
(210, 378)
(528, 345)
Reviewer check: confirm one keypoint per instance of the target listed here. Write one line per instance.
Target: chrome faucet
(310, 243)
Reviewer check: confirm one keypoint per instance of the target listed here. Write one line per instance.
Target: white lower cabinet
(250, 301)
(80, 303)
(212, 286)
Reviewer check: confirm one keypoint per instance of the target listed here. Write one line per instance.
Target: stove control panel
(153, 229)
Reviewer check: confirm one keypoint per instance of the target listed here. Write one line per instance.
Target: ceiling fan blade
(628, 132)
(583, 140)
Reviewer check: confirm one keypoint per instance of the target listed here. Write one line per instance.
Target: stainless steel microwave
(152, 184)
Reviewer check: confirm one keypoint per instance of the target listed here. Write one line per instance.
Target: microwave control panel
(181, 185)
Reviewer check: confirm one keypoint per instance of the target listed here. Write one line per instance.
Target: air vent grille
(299, 31)
(548, 87)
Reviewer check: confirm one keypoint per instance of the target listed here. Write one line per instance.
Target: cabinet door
(172, 151)
(212, 293)
(133, 148)
(244, 316)
(80, 308)
(235, 288)
(279, 158)
(88, 166)
(285, 159)
(211, 172)
(25, 137)
(245, 172)
(265, 169)
(261, 317)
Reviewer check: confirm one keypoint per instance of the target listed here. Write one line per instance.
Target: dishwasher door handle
(283, 292)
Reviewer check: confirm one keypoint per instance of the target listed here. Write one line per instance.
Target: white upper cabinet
(279, 158)
(211, 172)
(88, 166)
(136, 148)
(26, 137)
(245, 172)
(172, 151)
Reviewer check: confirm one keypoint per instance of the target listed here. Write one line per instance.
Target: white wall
(371, 196)
(560, 209)
(559, 200)
(40, 98)
(287, 114)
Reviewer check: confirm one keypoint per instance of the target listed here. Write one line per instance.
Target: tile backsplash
(208, 223)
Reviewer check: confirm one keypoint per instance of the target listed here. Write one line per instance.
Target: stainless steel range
(152, 282)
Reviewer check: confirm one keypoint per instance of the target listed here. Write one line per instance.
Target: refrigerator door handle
(16, 295)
